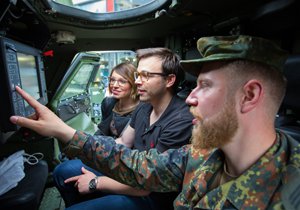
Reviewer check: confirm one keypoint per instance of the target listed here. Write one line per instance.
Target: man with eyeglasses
(163, 121)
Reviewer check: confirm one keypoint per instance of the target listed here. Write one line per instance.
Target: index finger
(72, 179)
(30, 100)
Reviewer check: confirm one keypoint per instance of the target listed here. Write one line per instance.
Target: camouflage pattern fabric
(192, 171)
(221, 48)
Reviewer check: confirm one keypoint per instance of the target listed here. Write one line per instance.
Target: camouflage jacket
(191, 172)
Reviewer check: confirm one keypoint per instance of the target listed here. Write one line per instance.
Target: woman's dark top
(113, 122)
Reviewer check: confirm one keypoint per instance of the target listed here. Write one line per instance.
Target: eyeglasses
(120, 82)
(145, 75)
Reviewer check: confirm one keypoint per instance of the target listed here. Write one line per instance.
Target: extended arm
(144, 170)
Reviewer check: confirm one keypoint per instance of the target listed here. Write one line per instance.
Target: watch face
(93, 185)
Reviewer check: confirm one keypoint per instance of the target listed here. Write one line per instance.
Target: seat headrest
(292, 74)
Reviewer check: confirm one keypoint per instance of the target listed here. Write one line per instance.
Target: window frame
(150, 7)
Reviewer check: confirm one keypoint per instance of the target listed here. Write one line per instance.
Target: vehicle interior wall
(186, 19)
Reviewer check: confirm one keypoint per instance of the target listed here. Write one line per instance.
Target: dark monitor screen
(20, 65)
(29, 75)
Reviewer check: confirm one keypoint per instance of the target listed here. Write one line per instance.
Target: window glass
(79, 83)
(104, 6)
(110, 59)
(98, 87)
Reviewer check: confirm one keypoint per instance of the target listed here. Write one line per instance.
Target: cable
(34, 158)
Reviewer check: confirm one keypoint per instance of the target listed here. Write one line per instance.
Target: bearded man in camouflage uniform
(237, 159)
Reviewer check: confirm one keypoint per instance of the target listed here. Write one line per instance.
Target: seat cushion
(28, 193)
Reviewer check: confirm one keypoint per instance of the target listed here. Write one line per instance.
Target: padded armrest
(28, 193)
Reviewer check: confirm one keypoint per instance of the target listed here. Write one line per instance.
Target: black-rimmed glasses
(145, 75)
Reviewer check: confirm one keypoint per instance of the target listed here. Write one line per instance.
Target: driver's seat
(288, 118)
(28, 193)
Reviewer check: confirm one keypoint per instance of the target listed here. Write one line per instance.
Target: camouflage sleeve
(145, 170)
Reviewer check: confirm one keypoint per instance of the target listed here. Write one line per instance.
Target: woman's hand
(44, 121)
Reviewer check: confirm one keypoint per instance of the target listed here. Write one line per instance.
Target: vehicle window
(79, 83)
(110, 59)
(106, 6)
(98, 87)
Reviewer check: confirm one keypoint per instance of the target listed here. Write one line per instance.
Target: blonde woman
(118, 107)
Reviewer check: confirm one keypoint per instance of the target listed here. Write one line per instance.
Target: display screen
(20, 65)
(29, 75)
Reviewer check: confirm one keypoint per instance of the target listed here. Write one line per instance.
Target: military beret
(222, 48)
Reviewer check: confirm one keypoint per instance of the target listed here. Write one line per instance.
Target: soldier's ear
(251, 96)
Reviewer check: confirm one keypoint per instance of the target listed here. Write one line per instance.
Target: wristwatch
(93, 184)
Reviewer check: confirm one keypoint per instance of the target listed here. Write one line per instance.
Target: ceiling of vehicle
(193, 17)
(46, 27)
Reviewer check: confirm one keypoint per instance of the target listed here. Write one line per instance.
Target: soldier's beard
(217, 131)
